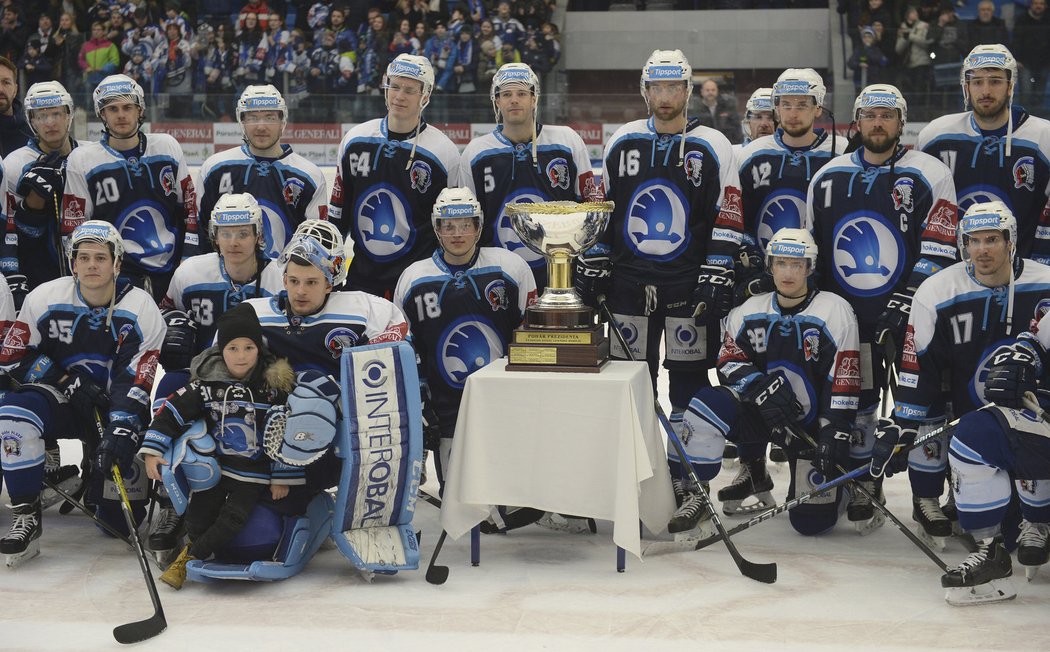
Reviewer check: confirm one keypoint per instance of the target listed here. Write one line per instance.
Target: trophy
(560, 332)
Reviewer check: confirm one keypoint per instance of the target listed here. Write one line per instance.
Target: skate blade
(49, 497)
(165, 557)
(17, 559)
(683, 541)
(730, 462)
(559, 523)
(937, 543)
(864, 528)
(999, 590)
(1030, 572)
(763, 502)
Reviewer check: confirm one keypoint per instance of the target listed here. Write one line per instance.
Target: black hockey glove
(180, 341)
(85, 396)
(593, 271)
(713, 295)
(118, 446)
(19, 286)
(775, 400)
(832, 451)
(888, 436)
(42, 180)
(751, 276)
(894, 319)
(1014, 369)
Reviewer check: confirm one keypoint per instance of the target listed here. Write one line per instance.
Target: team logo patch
(1028, 486)
(685, 335)
(941, 222)
(338, 339)
(782, 210)
(811, 344)
(847, 372)
(558, 173)
(931, 450)
(167, 180)
(694, 167)
(383, 226)
(903, 195)
(72, 209)
(124, 331)
(420, 176)
(505, 236)
(868, 254)
(496, 295)
(656, 227)
(293, 190)
(12, 444)
(1024, 173)
(147, 239)
(1041, 309)
(466, 346)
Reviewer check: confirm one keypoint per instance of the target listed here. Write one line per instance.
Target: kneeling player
(789, 360)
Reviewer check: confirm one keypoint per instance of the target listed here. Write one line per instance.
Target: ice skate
(570, 524)
(166, 536)
(22, 542)
(729, 456)
(982, 577)
(1033, 547)
(934, 526)
(67, 478)
(691, 511)
(175, 576)
(861, 510)
(751, 481)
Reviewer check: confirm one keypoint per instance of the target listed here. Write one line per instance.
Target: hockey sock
(1035, 500)
(982, 492)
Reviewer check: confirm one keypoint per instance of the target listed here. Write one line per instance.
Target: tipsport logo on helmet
(761, 104)
(405, 69)
(232, 217)
(508, 76)
(44, 102)
(456, 210)
(990, 60)
(656, 73)
(975, 223)
(792, 87)
(787, 249)
(89, 231)
(116, 88)
(262, 103)
(886, 100)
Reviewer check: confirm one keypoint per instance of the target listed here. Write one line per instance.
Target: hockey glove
(84, 395)
(1014, 369)
(118, 446)
(775, 400)
(19, 286)
(593, 271)
(894, 319)
(832, 451)
(180, 341)
(888, 436)
(751, 276)
(45, 182)
(713, 295)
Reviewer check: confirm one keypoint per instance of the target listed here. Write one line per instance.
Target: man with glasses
(996, 151)
(389, 174)
(289, 188)
(884, 219)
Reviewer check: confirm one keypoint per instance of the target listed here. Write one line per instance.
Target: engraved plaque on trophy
(560, 332)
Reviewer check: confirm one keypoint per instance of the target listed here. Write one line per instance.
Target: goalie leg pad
(191, 466)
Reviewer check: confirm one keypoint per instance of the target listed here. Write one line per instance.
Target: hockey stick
(766, 573)
(919, 543)
(816, 491)
(889, 352)
(144, 629)
(437, 574)
(1032, 403)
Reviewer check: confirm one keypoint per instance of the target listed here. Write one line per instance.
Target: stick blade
(765, 573)
(437, 575)
(142, 630)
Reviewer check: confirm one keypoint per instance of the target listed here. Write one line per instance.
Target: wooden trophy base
(548, 349)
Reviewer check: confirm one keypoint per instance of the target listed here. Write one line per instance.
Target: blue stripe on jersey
(978, 141)
(509, 149)
(402, 144)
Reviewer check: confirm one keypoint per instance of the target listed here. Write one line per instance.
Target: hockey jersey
(462, 320)
(983, 172)
(501, 172)
(955, 325)
(880, 228)
(815, 347)
(316, 341)
(289, 189)
(202, 288)
(673, 214)
(382, 201)
(56, 331)
(149, 197)
(774, 178)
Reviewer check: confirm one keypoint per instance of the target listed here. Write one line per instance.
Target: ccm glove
(832, 451)
(85, 396)
(775, 400)
(593, 271)
(118, 446)
(1014, 369)
(894, 319)
(19, 286)
(180, 341)
(713, 296)
(888, 436)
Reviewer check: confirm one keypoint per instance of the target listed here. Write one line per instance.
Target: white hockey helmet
(987, 216)
(45, 95)
(452, 203)
(988, 56)
(412, 66)
(510, 74)
(320, 243)
(100, 232)
(261, 98)
(792, 243)
(761, 100)
(882, 96)
(118, 88)
(666, 65)
(235, 209)
(800, 81)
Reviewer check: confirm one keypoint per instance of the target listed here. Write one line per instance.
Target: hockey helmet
(45, 95)
(987, 216)
(412, 66)
(320, 243)
(800, 81)
(792, 243)
(881, 96)
(453, 203)
(666, 65)
(235, 209)
(261, 98)
(100, 232)
(988, 56)
(118, 88)
(511, 74)
(760, 101)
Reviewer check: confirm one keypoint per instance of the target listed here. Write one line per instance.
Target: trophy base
(581, 317)
(576, 350)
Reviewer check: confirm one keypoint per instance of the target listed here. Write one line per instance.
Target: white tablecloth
(573, 443)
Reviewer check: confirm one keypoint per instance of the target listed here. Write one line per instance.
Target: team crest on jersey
(558, 173)
(931, 450)
(293, 190)
(466, 346)
(1028, 486)
(784, 209)
(496, 295)
(167, 180)
(694, 167)
(1041, 309)
(383, 227)
(420, 176)
(657, 221)
(903, 195)
(12, 444)
(868, 254)
(505, 236)
(811, 344)
(147, 239)
(338, 339)
(1024, 173)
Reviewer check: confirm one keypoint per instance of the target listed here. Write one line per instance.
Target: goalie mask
(319, 243)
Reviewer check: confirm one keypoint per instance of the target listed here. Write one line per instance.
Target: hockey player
(389, 174)
(32, 190)
(759, 119)
(673, 234)
(522, 160)
(959, 319)
(137, 182)
(462, 304)
(884, 218)
(788, 357)
(289, 188)
(84, 352)
(996, 151)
